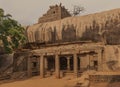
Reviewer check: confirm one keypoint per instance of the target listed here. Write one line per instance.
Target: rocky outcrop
(111, 61)
(75, 28)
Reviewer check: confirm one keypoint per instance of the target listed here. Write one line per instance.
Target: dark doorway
(78, 63)
(95, 63)
(51, 63)
(34, 64)
(63, 63)
(71, 63)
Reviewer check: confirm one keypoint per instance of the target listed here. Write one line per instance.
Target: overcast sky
(28, 11)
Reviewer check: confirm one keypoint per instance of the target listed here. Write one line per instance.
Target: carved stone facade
(68, 58)
(56, 12)
(71, 58)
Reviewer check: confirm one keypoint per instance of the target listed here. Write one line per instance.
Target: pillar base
(76, 75)
(42, 76)
(57, 77)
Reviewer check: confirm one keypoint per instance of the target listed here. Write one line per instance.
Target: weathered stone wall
(20, 61)
(84, 61)
(6, 64)
(75, 28)
(111, 59)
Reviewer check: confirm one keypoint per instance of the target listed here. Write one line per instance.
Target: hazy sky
(28, 11)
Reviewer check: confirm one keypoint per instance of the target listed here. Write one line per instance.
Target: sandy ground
(37, 82)
(53, 82)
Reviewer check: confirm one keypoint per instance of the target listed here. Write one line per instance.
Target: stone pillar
(88, 60)
(57, 66)
(46, 63)
(42, 73)
(29, 67)
(68, 62)
(75, 64)
(99, 53)
(91, 60)
(79, 62)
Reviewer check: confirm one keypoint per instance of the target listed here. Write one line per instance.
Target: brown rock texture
(73, 28)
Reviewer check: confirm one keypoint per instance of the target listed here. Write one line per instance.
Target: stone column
(85, 62)
(42, 73)
(75, 64)
(88, 61)
(79, 62)
(46, 64)
(68, 62)
(99, 53)
(29, 67)
(57, 66)
(91, 61)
